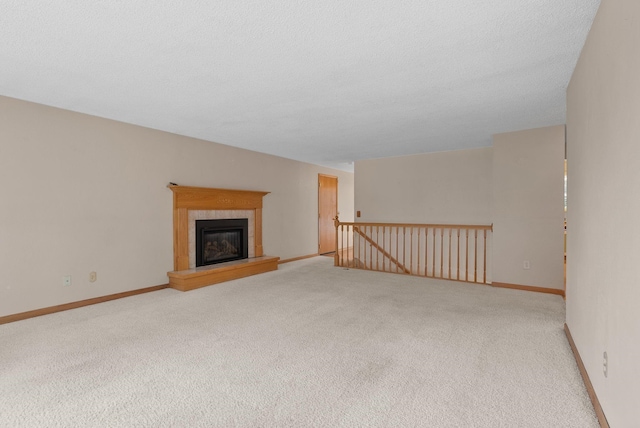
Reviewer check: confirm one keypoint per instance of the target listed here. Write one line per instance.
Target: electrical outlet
(605, 364)
(66, 280)
(93, 276)
(526, 265)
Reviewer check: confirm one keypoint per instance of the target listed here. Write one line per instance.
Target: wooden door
(327, 210)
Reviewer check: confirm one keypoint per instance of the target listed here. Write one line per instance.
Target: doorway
(327, 211)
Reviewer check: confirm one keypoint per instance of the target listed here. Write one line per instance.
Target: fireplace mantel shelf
(187, 198)
(205, 198)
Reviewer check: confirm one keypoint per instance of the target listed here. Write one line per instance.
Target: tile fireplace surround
(199, 203)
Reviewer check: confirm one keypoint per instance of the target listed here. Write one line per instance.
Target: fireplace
(222, 240)
(191, 204)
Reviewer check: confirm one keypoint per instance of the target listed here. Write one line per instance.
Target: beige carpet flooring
(307, 346)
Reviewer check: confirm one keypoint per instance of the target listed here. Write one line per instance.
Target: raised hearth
(188, 200)
(214, 274)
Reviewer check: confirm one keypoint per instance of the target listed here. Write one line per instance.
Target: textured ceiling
(325, 82)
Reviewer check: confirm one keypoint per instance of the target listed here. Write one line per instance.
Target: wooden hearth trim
(201, 277)
(187, 198)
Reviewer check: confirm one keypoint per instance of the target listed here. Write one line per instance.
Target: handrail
(448, 251)
(430, 225)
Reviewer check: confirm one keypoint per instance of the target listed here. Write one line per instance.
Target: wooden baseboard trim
(73, 305)
(587, 382)
(308, 256)
(528, 288)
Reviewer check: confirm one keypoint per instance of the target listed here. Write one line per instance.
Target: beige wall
(86, 194)
(517, 185)
(528, 207)
(447, 187)
(603, 227)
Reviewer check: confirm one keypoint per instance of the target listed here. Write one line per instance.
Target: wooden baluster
(433, 263)
(449, 253)
(458, 258)
(336, 261)
(345, 250)
(349, 257)
(345, 244)
(362, 246)
(475, 257)
(418, 257)
(377, 251)
(371, 249)
(384, 245)
(354, 251)
(384, 239)
(426, 251)
(441, 252)
(484, 269)
(397, 239)
(345, 247)
(370, 235)
(345, 256)
(382, 253)
(341, 247)
(411, 252)
(363, 259)
(391, 249)
(404, 246)
(364, 249)
(363, 255)
(353, 246)
(466, 262)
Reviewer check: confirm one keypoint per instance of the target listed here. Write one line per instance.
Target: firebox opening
(220, 241)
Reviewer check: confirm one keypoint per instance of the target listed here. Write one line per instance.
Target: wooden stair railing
(447, 251)
(399, 265)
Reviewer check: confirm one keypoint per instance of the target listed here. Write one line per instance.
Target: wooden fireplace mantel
(185, 199)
